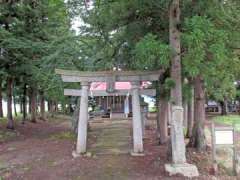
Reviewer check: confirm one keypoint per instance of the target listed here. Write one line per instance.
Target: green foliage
(134, 35)
(207, 53)
(35, 38)
(187, 92)
(229, 120)
(169, 83)
(238, 93)
(116, 31)
(151, 53)
(152, 109)
(205, 47)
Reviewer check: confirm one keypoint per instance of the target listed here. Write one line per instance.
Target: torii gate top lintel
(102, 76)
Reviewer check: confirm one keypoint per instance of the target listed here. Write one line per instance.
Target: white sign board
(224, 137)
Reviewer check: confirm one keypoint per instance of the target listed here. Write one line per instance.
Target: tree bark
(48, 105)
(177, 138)
(33, 105)
(71, 109)
(55, 106)
(1, 99)
(190, 114)
(63, 105)
(185, 115)
(51, 108)
(163, 120)
(198, 139)
(29, 101)
(14, 105)
(42, 106)
(158, 105)
(21, 106)
(174, 39)
(24, 103)
(10, 124)
(224, 107)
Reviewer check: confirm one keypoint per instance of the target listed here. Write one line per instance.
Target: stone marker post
(177, 137)
(137, 124)
(179, 164)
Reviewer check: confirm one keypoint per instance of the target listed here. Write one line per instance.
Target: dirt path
(43, 151)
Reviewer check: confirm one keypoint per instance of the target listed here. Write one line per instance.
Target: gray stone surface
(177, 136)
(102, 76)
(97, 93)
(83, 120)
(137, 154)
(75, 154)
(137, 122)
(187, 170)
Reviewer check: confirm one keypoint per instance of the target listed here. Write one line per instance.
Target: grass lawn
(229, 120)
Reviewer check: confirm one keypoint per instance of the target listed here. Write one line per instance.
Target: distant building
(212, 106)
(116, 102)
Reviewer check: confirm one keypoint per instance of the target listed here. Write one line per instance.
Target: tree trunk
(224, 107)
(55, 106)
(190, 114)
(24, 103)
(21, 107)
(174, 39)
(51, 108)
(177, 138)
(1, 106)
(29, 101)
(158, 105)
(33, 105)
(185, 115)
(42, 106)
(163, 120)
(71, 109)
(48, 105)
(10, 124)
(76, 117)
(63, 105)
(14, 105)
(198, 139)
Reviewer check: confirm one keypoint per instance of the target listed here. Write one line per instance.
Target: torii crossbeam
(96, 93)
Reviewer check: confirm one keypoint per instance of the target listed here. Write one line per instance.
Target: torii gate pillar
(83, 120)
(137, 123)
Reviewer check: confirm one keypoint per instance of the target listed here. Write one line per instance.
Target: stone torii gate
(179, 164)
(85, 78)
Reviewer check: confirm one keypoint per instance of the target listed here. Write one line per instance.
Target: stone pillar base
(137, 154)
(76, 155)
(187, 170)
(86, 154)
